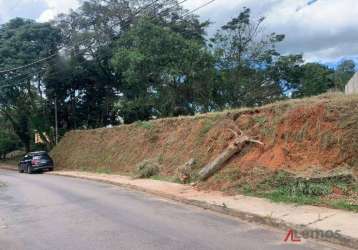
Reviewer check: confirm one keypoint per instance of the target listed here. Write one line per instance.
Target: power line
(146, 6)
(166, 12)
(311, 2)
(28, 65)
(198, 8)
(55, 54)
(14, 81)
(141, 9)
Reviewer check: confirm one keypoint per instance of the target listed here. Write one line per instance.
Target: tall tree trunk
(235, 147)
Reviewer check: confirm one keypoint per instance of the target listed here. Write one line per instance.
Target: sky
(324, 31)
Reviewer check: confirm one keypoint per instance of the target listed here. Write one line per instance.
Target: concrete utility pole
(56, 122)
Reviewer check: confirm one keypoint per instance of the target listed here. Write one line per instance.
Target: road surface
(51, 212)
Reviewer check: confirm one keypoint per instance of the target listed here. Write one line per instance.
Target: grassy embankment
(309, 157)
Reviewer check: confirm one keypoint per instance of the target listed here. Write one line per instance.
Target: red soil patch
(297, 142)
(296, 138)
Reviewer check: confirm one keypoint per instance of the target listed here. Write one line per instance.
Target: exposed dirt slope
(319, 133)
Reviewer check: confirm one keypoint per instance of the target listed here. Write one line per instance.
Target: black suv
(36, 161)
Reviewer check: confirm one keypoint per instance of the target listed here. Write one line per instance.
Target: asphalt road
(52, 212)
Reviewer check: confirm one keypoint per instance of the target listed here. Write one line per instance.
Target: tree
(142, 59)
(8, 139)
(8, 143)
(245, 55)
(92, 34)
(315, 79)
(164, 73)
(23, 41)
(344, 72)
(22, 101)
(287, 72)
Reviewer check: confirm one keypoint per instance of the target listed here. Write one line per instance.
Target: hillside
(303, 136)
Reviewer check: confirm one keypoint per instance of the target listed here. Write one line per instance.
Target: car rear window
(43, 156)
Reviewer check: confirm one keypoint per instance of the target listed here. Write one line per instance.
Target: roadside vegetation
(12, 161)
(124, 62)
(309, 154)
(339, 193)
(146, 92)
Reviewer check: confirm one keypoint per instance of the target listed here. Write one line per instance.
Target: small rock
(184, 171)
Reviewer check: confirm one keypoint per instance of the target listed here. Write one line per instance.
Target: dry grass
(319, 131)
(147, 169)
(292, 141)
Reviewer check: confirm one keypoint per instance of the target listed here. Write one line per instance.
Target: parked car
(36, 161)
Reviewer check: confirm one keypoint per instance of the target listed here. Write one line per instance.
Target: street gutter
(344, 221)
(8, 167)
(251, 209)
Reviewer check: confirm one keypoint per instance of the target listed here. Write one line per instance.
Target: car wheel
(50, 169)
(21, 170)
(29, 169)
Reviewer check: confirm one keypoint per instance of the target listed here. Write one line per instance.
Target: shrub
(145, 124)
(147, 169)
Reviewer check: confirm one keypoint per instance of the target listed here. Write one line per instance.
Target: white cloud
(5, 9)
(327, 30)
(56, 7)
(22, 8)
(47, 15)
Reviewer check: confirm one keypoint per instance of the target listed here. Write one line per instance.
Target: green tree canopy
(163, 69)
(251, 69)
(344, 72)
(22, 101)
(315, 79)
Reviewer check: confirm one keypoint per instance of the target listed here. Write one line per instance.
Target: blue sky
(324, 30)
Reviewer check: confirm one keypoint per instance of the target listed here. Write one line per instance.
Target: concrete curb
(9, 168)
(344, 240)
